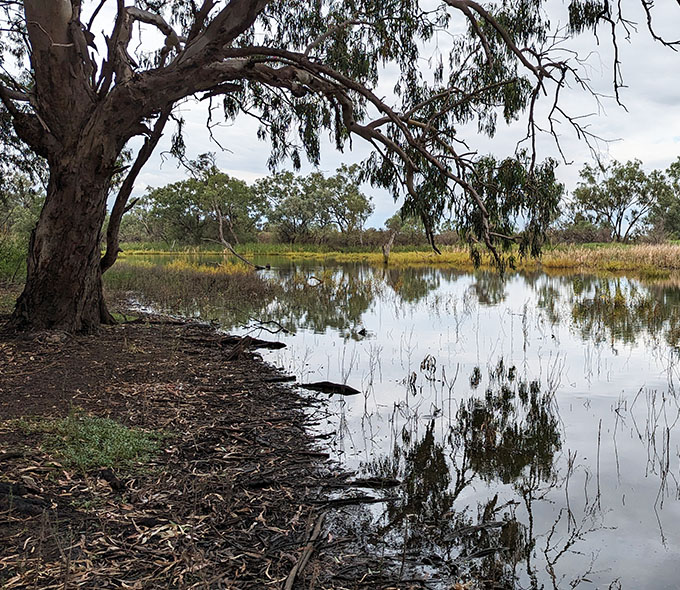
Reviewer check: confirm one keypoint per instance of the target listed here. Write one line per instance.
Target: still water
(531, 420)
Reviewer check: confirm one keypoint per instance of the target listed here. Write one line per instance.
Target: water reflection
(621, 310)
(509, 434)
(335, 297)
(557, 467)
(334, 300)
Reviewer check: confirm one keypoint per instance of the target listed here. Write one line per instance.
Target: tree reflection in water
(506, 437)
(337, 297)
(486, 485)
(623, 310)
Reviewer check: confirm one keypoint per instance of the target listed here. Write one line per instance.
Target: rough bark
(63, 284)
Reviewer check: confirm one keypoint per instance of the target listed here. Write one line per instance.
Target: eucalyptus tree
(619, 197)
(665, 215)
(77, 98)
(348, 207)
(295, 208)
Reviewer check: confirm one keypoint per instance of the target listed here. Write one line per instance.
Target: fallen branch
(250, 342)
(306, 553)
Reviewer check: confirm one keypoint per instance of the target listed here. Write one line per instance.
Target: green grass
(182, 286)
(88, 442)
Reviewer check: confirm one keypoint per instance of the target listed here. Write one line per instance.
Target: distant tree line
(617, 202)
(284, 207)
(620, 202)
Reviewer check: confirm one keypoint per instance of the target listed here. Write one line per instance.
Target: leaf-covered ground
(234, 498)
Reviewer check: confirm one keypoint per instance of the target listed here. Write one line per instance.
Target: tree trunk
(63, 283)
(387, 247)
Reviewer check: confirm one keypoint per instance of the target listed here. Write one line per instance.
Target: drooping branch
(308, 76)
(648, 5)
(466, 5)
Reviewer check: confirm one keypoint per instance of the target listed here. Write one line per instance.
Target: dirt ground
(236, 499)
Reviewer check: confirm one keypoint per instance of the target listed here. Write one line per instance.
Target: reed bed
(647, 259)
(643, 257)
(183, 285)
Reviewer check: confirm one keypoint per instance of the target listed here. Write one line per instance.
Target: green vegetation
(184, 285)
(13, 253)
(20, 202)
(213, 206)
(622, 202)
(89, 442)
(645, 258)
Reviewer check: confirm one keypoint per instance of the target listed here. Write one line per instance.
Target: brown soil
(233, 501)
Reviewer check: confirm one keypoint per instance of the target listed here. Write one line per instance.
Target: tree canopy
(76, 98)
(291, 205)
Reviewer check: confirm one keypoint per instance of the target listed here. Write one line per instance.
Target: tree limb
(120, 205)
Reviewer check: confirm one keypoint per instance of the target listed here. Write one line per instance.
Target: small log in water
(249, 342)
(330, 388)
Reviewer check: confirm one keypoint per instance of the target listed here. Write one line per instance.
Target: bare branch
(227, 245)
(94, 14)
(648, 5)
(172, 40)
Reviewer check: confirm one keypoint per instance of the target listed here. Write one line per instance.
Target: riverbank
(641, 259)
(234, 494)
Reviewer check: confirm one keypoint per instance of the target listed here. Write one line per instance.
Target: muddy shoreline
(238, 496)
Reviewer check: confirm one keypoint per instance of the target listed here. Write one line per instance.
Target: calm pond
(530, 418)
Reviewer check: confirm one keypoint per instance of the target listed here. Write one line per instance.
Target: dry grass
(645, 258)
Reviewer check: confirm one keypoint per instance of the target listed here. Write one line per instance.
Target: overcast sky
(648, 129)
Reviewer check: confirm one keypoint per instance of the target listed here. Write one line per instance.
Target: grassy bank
(645, 259)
